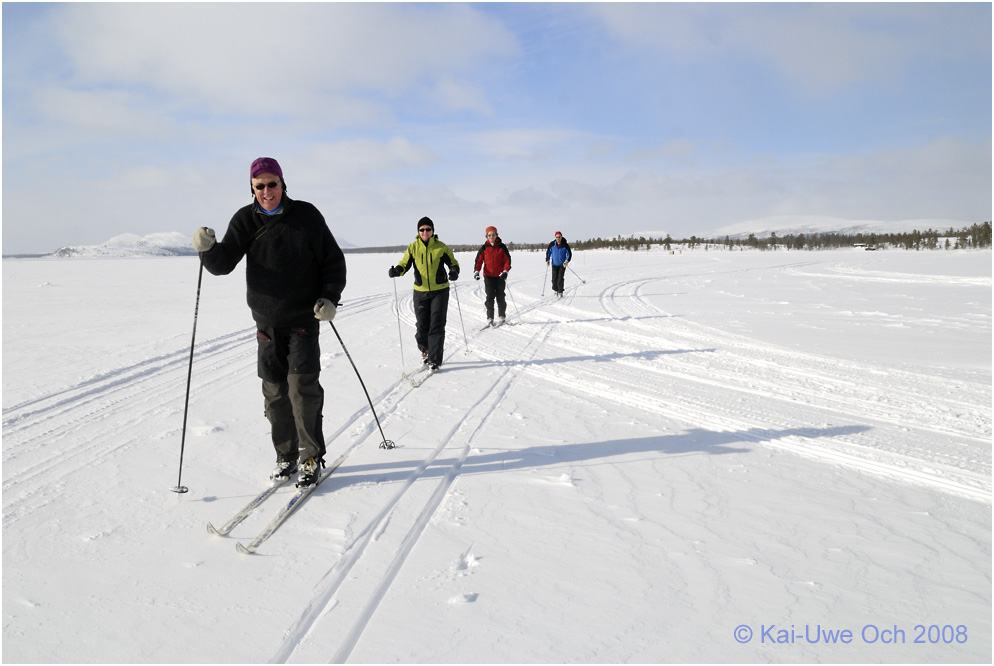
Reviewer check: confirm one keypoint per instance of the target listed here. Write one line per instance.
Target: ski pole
(459, 305)
(400, 332)
(546, 278)
(386, 443)
(189, 375)
(574, 273)
(511, 294)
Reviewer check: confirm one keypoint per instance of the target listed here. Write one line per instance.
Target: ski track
(129, 396)
(460, 437)
(664, 382)
(812, 380)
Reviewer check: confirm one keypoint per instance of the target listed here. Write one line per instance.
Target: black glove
(476, 275)
(453, 274)
(394, 271)
(503, 275)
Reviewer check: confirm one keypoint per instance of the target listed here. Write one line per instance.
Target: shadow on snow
(648, 355)
(695, 441)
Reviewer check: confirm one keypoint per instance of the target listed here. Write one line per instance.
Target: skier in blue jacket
(558, 255)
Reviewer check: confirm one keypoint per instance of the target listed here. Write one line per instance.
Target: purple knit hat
(265, 165)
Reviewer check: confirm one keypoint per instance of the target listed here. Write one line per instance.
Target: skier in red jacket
(494, 261)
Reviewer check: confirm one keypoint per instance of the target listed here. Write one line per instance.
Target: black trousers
(494, 287)
(558, 276)
(431, 310)
(289, 364)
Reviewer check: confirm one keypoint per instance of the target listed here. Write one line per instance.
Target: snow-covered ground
(705, 456)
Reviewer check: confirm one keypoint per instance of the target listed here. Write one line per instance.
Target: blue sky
(595, 119)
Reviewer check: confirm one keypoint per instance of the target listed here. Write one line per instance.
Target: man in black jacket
(295, 272)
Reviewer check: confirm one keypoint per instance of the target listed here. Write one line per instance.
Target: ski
(414, 373)
(288, 508)
(496, 324)
(418, 381)
(246, 510)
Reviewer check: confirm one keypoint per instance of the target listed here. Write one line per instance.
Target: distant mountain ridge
(818, 224)
(167, 244)
(782, 225)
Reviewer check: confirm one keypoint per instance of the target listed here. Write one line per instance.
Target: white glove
(324, 310)
(203, 239)
(565, 264)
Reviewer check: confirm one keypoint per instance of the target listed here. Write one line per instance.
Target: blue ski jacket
(558, 254)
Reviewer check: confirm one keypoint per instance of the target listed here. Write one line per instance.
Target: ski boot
(309, 470)
(285, 468)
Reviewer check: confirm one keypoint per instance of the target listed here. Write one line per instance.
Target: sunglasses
(424, 229)
(262, 186)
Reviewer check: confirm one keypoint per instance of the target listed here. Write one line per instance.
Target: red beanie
(489, 229)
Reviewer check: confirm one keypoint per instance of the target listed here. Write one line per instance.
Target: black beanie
(426, 221)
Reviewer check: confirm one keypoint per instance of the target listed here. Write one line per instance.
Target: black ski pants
(558, 277)
(289, 364)
(494, 287)
(431, 310)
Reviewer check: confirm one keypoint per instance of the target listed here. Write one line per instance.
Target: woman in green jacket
(434, 267)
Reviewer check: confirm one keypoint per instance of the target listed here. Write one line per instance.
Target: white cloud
(360, 159)
(819, 47)
(531, 144)
(268, 58)
(529, 198)
(105, 113)
(453, 96)
(679, 150)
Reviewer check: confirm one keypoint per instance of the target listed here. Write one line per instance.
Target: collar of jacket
(287, 203)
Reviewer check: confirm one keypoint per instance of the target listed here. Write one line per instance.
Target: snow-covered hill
(699, 457)
(168, 244)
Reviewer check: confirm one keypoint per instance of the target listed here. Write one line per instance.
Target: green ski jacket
(430, 264)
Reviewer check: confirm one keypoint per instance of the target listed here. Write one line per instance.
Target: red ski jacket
(493, 258)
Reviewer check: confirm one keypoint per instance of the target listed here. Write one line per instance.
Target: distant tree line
(975, 236)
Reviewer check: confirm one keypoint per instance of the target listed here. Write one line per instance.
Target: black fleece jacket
(292, 261)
